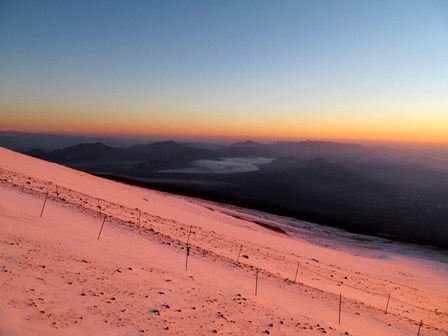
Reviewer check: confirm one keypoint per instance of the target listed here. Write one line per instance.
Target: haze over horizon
(291, 70)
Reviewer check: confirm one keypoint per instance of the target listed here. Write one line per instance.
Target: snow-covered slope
(58, 278)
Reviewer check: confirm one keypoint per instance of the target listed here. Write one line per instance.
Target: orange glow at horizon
(395, 129)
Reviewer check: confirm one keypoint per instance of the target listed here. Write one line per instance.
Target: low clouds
(222, 166)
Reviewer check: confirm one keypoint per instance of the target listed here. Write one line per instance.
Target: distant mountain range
(168, 151)
(305, 150)
(373, 190)
(25, 142)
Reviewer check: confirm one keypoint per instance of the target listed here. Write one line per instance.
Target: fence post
(419, 327)
(43, 207)
(387, 305)
(340, 305)
(297, 271)
(189, 232)
(101, 230)
(186, 259)
(239, 253)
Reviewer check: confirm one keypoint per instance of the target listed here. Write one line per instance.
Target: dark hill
(248, 143)
(169, 155)
(330, 151)
(168, 151)
(248, 149)
(90, 152)
(316, 181)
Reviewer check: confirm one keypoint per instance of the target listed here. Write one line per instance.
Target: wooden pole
(186, 259)
(43, 207)
(297, 271)
(256, 283)
(188, 248)
(419, 327)
(101, 230)
(239, 253)
(387, 305)
(189, 232)
(340, 305)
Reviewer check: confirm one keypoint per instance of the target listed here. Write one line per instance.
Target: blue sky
(210, 64)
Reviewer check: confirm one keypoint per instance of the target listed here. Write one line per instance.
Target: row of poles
(295, 279)
(188, 248)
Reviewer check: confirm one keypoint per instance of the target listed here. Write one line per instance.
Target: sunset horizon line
(223, 139)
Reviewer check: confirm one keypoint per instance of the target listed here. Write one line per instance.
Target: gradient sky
(334, 70)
